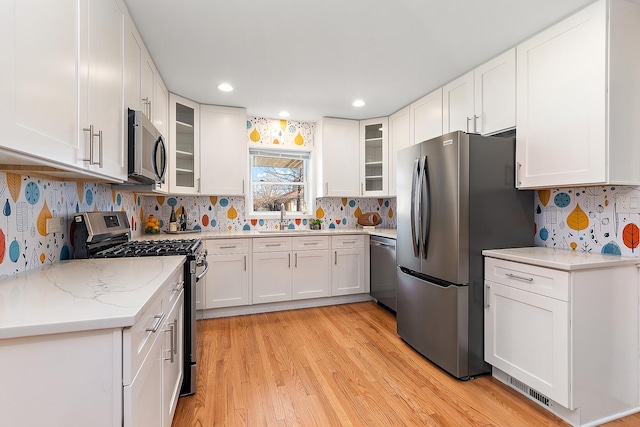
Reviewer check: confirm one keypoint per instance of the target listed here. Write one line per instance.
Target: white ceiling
(313, 58)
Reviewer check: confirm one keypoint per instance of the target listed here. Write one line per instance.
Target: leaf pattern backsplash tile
(27, 202)
(589, 219)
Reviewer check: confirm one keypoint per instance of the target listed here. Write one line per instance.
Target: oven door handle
(206, 268)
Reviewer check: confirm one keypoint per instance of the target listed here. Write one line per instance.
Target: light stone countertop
(208, 235)
(80, 295)
(560, 259)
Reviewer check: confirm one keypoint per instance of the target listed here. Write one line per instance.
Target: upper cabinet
(399, 138)
(483, 100)
(577, 95)
(425, 117)
(61, 102)
(184, 147)
(374, 157)
(337, 157)
(223, 150)
(161, 122)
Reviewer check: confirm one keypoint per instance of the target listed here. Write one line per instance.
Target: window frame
(307, 183)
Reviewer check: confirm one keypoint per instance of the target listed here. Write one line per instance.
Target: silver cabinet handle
(245, 263)
(172, 330)
(514, 276)
(468, 120)
(349, 241)
(179, 286)
(228, 247)
(269, 245)
(326, 191)
(475, 123)
(296, 260)
(335, 256)
(174, 341)
(518, 166)
(243, 187)
(310, 243)
(289, 260)
(156, 323)
(100, 162)
(90, 130)
(487, 296)
(361, 189)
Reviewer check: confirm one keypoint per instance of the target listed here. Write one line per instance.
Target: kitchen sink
(285, 231)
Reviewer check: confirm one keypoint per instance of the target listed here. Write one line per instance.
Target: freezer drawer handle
(513, 276)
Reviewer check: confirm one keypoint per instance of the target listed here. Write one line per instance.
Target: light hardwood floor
(338, 366)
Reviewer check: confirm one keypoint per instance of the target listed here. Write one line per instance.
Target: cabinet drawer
(139, 339)
(539, 280)
(227, 246)
(173, 287)
(348, 241)
(309, 243)
(272, 244)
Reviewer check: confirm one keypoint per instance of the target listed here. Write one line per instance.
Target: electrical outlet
(53, 225)
(219, 212)
(628, 203)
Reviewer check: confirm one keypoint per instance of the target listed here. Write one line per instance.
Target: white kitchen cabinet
(457, 105)
(227, 282)
(223, 150)
(337, 157)
(347, 265)
(148, 85)
(271, 269)
(311, 271)
(172, 359)
(374, 157)
(577, 92)
(399, 138)
(425, 117)
(139, 72)
(62, 75)
(483, 100)
(549, 334)
(184, 148)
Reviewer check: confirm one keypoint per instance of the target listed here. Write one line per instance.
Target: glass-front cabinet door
(184, 165)
(374, 157)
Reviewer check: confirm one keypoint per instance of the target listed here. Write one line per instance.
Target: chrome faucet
(282, 211)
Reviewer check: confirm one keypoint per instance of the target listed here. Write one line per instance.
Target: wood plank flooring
(340, 365)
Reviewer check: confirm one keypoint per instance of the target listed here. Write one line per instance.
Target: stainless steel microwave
(147, 150)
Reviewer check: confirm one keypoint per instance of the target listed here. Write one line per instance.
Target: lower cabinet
(347, 266)
(152, 360)
(227, 282)
(286, 268)
(565, 338)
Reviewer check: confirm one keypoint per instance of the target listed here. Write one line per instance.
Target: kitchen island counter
(81, 295)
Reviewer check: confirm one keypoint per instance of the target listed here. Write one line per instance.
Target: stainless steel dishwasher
(383, 271)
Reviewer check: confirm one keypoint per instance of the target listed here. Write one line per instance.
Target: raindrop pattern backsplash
(219, 213)
(28, 201)
(588, 219)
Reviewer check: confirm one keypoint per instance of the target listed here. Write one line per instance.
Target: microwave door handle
(159, 170)
(425, 207)
(414, 183)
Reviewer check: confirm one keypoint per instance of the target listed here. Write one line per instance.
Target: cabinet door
(457, 105)
(147, 85)
(227, 282)
(495, 94)
(311, 276)
(102, 88)
(527, 336)
(271, 277)
(161, 122)
(399, 138)
(172, 360)
(340, 158)
(425, 117)
(133, 48)
(143, 398)
(184, 148)
(347, 272)
(374, 157)
(38, 79)
(223, 150)
(561, 103)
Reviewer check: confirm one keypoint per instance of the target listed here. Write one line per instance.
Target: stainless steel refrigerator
(456, 196)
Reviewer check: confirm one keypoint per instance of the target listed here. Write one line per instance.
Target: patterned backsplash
(587, 219)
(216, 213)
(26, 204)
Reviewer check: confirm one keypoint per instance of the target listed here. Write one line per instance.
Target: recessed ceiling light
(225, 87)
(358, 103)
(284, 114)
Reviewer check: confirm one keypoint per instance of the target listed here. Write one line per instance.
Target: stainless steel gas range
(106, 235)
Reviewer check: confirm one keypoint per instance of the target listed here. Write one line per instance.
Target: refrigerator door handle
(425, 207)
(415, 234)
